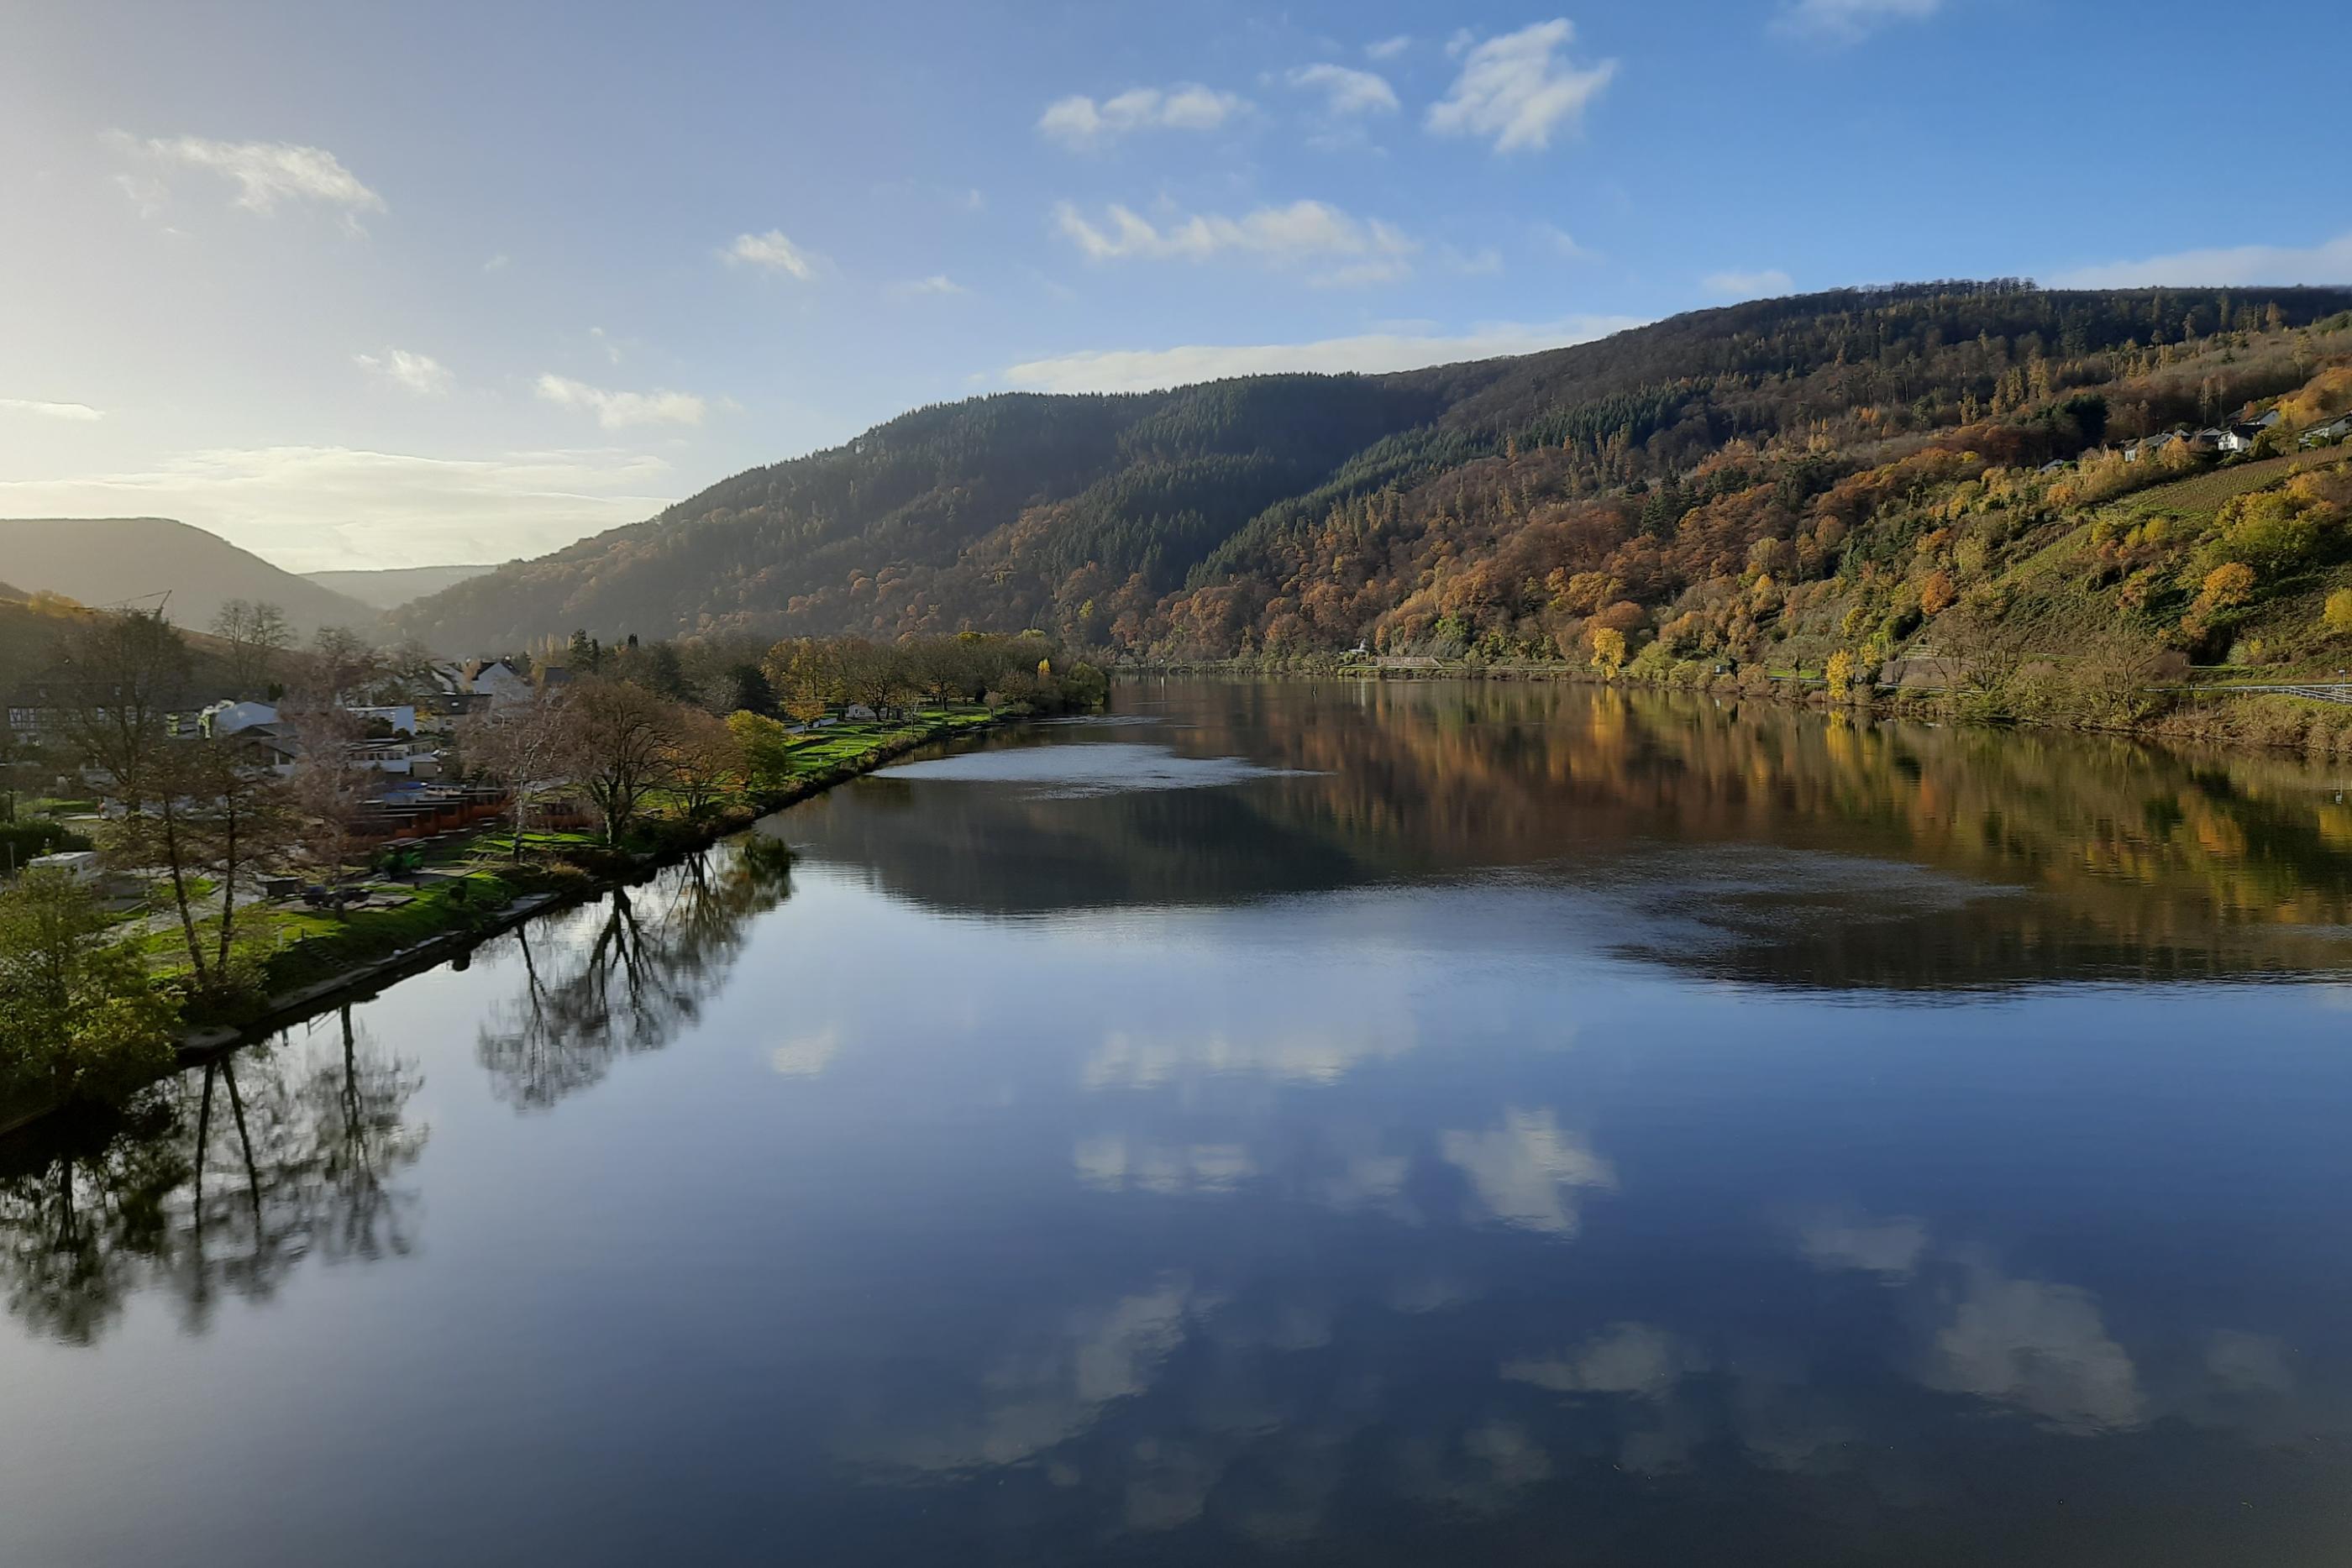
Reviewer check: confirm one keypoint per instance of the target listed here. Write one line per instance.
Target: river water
(1277, 1123)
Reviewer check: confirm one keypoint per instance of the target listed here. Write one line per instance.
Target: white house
(81, 865)
(499, 682)
(2334, 430)
(226, 719)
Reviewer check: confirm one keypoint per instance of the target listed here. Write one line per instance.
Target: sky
(373, 285)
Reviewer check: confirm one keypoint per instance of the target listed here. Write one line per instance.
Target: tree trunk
(180, 892)
(229, 897)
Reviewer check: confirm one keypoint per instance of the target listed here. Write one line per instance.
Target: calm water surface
(1298, 1123)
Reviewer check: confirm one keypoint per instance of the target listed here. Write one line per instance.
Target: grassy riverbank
(296, 960)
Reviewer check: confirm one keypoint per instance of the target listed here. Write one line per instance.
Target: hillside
(124, 561)
(1502, 506)
(391, 587)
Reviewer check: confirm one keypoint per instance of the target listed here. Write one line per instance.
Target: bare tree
(525, 746)
(340, 666)
(126, 670)
(242, 819)
(618, 739)
(1989, 640)
(331, 785)
(257, 633)
(705, 758)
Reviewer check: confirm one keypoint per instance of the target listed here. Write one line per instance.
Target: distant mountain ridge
(391, 586)
(1310, 511)
(103, 561)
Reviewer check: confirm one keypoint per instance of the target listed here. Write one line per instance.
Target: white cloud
(619, 409)
(1345, 91)
(46, 410)
(1527, 1173)
(772, 251)
(807, 1055)
(2041, 1347)
(1113, 1163)
(1080, 121)
(1366, 250)
(310, 508)
(2328, 262)
(1484, 262)
(148, 194)
(1143, 370)
(1768, 284)
(1518, 89)
(1306, 1053)
(498, 263)
(937, 283)
(1389, 49)
(604, 340)
(1627, 1358)
(1847, 21)
(419, 373)
(1562, 244)
(265, 173)
(1889, 1248)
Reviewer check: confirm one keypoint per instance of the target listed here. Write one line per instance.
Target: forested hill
(155, 561)
(1501, 504)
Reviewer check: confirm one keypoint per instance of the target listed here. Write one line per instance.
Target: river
(1276, 1123)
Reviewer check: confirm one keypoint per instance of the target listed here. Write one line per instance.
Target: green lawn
(296, 946)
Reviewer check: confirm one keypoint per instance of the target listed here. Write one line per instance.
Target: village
(2257, 435)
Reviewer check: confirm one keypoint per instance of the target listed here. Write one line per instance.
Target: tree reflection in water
(1738, 840)
(628, 974)
(218, 1181)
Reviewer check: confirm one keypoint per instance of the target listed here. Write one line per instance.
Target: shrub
(78, 1016)
(2337, 616)
(2227, 587)
(1608, 651)
(20, 841)
(1840, 671)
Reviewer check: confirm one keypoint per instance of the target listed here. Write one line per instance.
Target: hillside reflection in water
(1382, 1125)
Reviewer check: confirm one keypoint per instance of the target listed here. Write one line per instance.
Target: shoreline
(612, 869)
(2176, 726)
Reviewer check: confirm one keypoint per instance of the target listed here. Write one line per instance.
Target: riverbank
(320, 961)
(2213, 714)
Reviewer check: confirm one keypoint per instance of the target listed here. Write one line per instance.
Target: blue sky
(392, 286)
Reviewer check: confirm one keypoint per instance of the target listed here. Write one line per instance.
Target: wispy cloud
(620, 410)
(1142, 369)
(1766, 284)
(1389, 49)
(265, 173)
(41, 409)
(1346, 90)
(1849, 21)
(1484, 262)
(1080, 121)
(1519, 87)
(498, 263)
(1562, 244)
(2328, 262)
(774, 252)
(420, 373)
(937, 283)
(314, 507)
(1366, 250)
